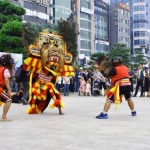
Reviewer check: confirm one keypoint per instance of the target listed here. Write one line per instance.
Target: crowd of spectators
(87, 81)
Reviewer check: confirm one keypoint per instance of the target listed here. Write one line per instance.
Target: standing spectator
(5, 74)
(58, 84)
(85, 74)
(82, 86)
(131, 76)
(102, 84)
(140, 80)
(71, 87)
(81, 73)
(14, 84)
(146, 82)
(88, 88)
(24, 79)
(97, 77)
(90, 77)
(76, 80)
(66, 82)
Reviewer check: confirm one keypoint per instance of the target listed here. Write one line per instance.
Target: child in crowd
(82, 86)
(88, 88)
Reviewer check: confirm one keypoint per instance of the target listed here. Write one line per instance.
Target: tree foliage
(94, 57)
(139, 58)
(30, 32)
(68, 31)
(120, 50)
(11, 27)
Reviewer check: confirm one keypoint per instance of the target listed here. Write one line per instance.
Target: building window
(139, 34)
(137, 1)
(87, 53)
(140, 16)
(85, 16)
(61, 12)
(102, 47)
(85, 34)
(85, 44)
(85, 24)
(136, 42)
(63, 3)
(140, 25)
(84, 3)
(141, 42)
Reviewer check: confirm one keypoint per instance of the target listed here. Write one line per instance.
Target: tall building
(92, 23)
(85, 17)
(101, 19)
(139, 25)
(45, 11)
(119, 24)
(91, 18)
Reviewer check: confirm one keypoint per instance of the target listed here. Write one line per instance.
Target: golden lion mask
(51, 53)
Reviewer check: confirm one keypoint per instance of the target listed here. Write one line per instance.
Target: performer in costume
(120, 83)
(6, 62)
(46, 64)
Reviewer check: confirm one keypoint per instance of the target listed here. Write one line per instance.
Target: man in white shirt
(140, 80)
(66, 82)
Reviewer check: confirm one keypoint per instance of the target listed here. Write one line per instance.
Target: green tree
(68, 31)
(30, 32)
(139, 58)
(120, 50)
(94, 57)
(11, 27)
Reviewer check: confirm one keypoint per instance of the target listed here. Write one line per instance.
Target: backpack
(18, 75)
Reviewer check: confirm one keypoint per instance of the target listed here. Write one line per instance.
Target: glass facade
(101, 28)
(63, 3)
(34, 10)
(139, 1)
(85, 24)
(60, 12)
(85, 29)
(61, 9)
(101, 15)
(139, 24)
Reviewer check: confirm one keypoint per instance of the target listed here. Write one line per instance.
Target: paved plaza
(78, 129)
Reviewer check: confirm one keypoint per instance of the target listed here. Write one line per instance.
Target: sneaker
(142, 96)
(134, 96)
(102, 116)
(133, 113)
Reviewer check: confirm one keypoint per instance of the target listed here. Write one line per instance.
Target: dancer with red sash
(120, 84)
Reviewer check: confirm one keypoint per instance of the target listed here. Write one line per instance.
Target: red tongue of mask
(55, 60)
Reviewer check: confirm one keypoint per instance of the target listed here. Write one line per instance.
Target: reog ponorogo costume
(49, 59)
(120, 83)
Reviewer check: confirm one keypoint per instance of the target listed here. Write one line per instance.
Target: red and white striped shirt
(44, 77)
